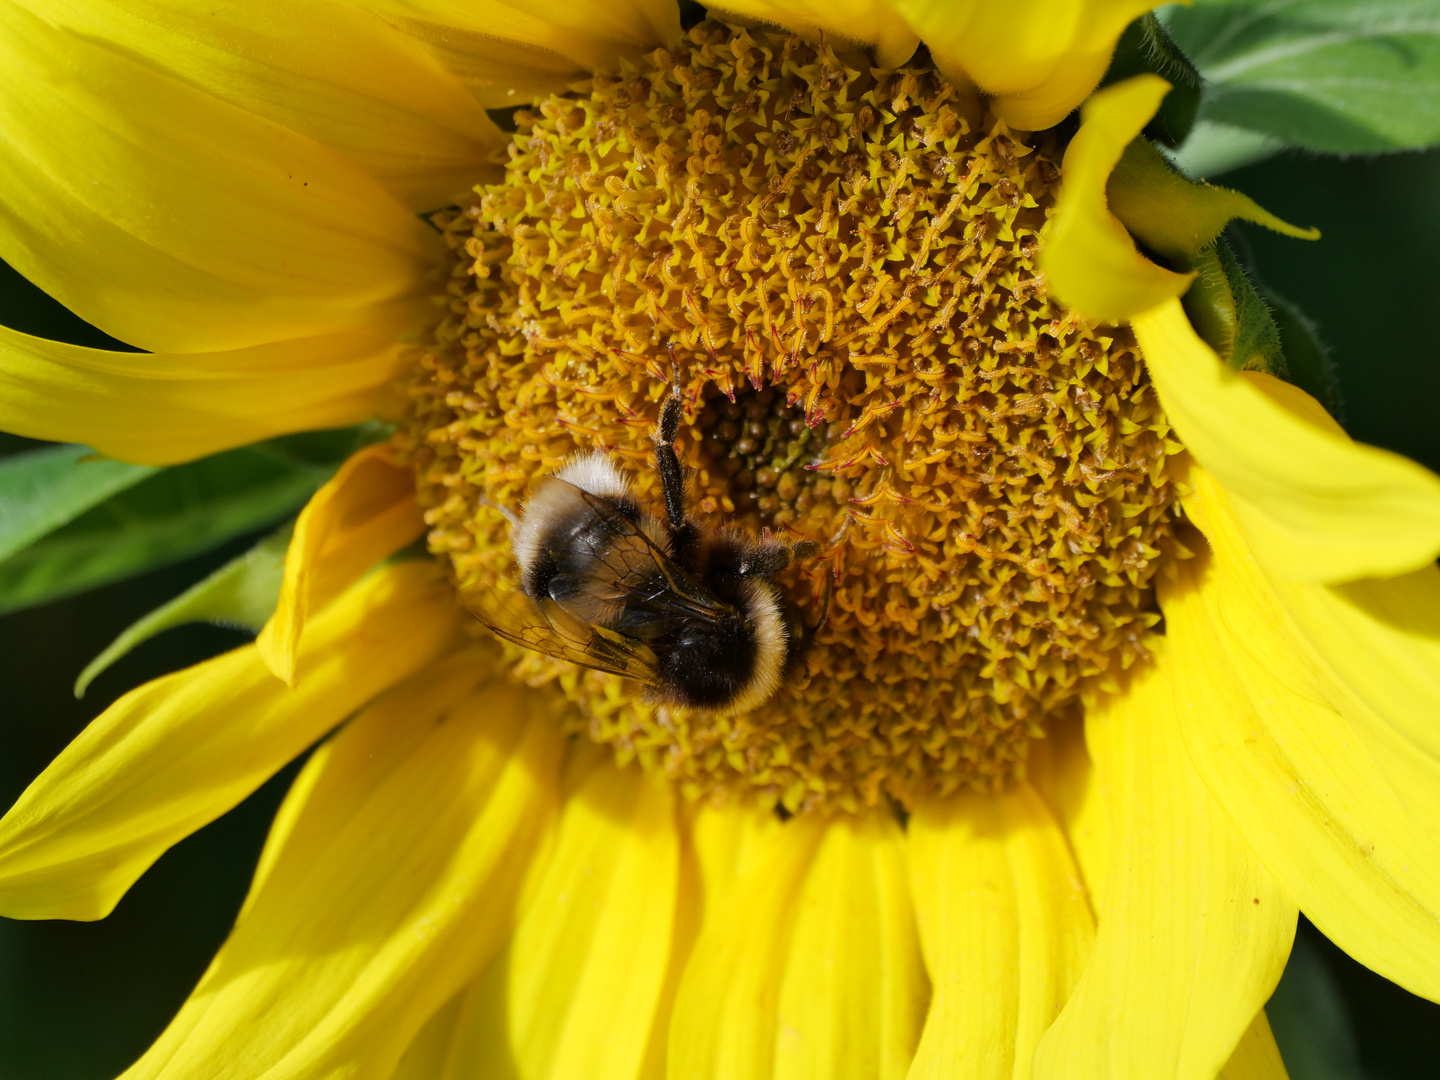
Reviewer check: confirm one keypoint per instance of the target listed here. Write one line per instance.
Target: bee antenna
(674, 370)
(510, 515)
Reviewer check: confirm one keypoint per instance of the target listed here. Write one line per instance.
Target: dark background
(80, 1001)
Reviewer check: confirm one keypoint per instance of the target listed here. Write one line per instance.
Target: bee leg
(672, 477)
(764, 558)
(803, 634)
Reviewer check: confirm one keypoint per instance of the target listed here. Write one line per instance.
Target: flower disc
(842, 261)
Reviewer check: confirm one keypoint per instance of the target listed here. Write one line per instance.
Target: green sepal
(1227, 311)
(176, 513)
(1177, 217)
(1306, 356)
(1147, 48)
(242, 593)
(44, 489)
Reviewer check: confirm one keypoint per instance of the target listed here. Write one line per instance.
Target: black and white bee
(689, 611)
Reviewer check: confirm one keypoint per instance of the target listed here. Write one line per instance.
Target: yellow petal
(1089, 260)
(593, 35)
(390, 879)
(1378, 646)
(159, 409)
(1257, 1057)
(854, 993)
(1298, 783)
(324, 69)
(753, 867)
(365, 512)
(178, 752)
(1194, 932)
(1041, 58)
(175, 221)
(865, 21)
(1054, 97)
(1005, 928)
(424, 1058)
(1060, 768)
(498, 73)
(1372, 648)
(1314, 505)
(575, 994)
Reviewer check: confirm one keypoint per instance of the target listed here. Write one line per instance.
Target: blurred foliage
(1337, 76)
(162, 515)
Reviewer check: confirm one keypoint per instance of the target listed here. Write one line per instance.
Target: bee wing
(547, 628)
(639, 573)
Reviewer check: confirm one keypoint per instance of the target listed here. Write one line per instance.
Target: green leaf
(241, 593)
(176, 513)
(43, 489)
(1336, 76)
(1212, 149)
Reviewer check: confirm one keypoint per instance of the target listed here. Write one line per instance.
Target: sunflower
(1123, 657)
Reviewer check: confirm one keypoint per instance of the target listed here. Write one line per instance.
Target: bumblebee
(690, 612)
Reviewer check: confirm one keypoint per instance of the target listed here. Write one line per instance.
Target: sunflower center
(841, 262)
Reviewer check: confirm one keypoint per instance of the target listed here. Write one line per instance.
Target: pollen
(840, 262)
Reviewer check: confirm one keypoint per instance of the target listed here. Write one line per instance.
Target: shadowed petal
(511, 51)
(1089, 260)
(1256, 1057)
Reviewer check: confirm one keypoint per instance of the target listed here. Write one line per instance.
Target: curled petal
(364, 513)
(1039, 58)
(866, 21)
(1089, 260)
